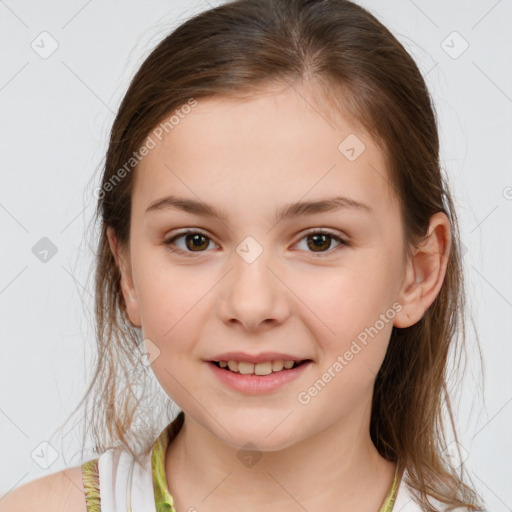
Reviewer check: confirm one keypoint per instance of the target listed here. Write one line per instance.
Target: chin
(256, 432)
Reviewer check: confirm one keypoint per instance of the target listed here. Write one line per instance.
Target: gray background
(56, 114)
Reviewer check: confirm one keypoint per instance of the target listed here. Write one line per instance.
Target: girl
(279, 248)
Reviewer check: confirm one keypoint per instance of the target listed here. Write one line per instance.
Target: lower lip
(257, 384)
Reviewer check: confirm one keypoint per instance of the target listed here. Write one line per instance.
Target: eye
(320, 239)
(194, 240)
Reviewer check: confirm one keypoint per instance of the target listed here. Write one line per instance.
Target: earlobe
(425, 272)
(127, 287)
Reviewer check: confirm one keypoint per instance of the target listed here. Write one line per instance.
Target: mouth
(223, 365)
(260, 378)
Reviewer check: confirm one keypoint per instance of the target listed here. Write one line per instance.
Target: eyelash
(342, 242)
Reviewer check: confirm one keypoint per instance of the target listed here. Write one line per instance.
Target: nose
(253, 294)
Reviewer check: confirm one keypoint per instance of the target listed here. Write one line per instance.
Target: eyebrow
(288, 211)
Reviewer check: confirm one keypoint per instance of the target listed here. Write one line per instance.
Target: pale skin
(250, 158)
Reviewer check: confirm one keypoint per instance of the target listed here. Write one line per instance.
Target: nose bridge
(252, 277)
(252, 294)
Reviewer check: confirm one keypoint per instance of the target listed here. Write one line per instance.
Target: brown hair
(360, 68)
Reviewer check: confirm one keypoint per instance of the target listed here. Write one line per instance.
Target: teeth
(233, 366)
(277, 366)
(265, 368)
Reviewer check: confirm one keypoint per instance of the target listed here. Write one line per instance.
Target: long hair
(360, 68)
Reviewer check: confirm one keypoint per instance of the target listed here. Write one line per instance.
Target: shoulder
(60, 491)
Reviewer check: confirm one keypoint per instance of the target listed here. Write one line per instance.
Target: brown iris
(195, 240)
(321, 241)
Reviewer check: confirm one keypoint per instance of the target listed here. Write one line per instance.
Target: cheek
(349, 311)
(172, 304)
(172, 314)
(169, 297)
(347, 299)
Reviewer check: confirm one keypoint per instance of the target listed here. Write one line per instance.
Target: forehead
(275, 147)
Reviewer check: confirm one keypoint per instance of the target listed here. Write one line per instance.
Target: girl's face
(263, 278)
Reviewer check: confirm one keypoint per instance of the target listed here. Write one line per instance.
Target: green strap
(164, 502)
(91, 481)
(389, 502)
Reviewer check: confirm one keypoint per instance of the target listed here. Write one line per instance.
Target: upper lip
(256, 358)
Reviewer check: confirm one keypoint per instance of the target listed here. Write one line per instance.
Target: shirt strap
(91, 482)
(387, 506)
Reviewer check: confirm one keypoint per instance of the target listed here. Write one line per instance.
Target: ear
(128, 289)
(425, 272)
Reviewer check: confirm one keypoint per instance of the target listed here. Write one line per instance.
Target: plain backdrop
(65, 66)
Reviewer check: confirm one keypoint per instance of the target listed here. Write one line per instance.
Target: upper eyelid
(308, 231)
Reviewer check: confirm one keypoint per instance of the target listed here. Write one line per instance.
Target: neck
(337, 468)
